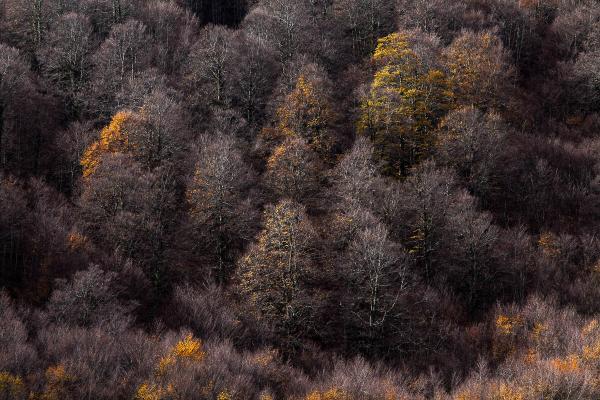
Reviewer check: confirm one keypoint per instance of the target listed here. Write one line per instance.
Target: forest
(300, 199)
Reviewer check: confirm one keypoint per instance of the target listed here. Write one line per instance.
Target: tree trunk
(2, 158)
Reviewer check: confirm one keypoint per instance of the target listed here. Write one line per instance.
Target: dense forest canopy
(299, 199)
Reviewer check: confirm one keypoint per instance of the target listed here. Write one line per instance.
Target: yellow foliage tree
(507, 328)
(57, 381)
(11, 386)
(548, 242)
(113, 139)
(307, 113)
(331, 394)
(507, 392)
(149, 391)
(274, 272)
(405, 102)
(225, 395)
(188, 349)
(292, 169)
(187, 352)
(480, 72)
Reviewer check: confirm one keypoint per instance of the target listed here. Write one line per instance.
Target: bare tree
(208, 63)
(218, 207)
(376, 271)
(471, 142)
(65, 57)
(173, 30)
(284, 24)
(91, 298)
(440, 17)
(366, 21)
(120, 58)
(14, 83)
(158, 131)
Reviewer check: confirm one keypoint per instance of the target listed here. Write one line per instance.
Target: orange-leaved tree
(307, 112)
(113, 139)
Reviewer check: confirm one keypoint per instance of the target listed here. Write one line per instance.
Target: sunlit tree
(404, 104)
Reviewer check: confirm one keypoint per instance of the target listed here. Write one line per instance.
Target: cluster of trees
(299, 199)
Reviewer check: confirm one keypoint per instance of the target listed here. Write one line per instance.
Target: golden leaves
(478, 68)
(11, 386)
(187, 349)
(405, 102)
(113, 139)
(148, 391)
(306, 113)
(331, 394)
(569, 364)
(508, 392)
(507, 324)
(549, 244)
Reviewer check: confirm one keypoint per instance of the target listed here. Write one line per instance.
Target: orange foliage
(331, 394)
(57, 380)
(113, 139)
(188, 349)
(506, 325)
(11, 386)
(306, 112)
(567, 365)
(549, 244)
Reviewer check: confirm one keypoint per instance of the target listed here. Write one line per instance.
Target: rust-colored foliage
(113, 139)
(307, 113)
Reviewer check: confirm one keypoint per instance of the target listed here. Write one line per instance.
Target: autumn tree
(219, 210)
(113, 139)
(404, 104)
(307, 112)
(292, 170)
(479, 70)
(276, 271)
(153, 134)
(175, 371)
